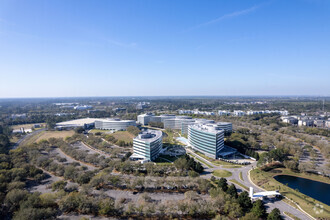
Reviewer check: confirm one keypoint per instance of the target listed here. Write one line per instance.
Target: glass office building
(147, 145)
(206, 138)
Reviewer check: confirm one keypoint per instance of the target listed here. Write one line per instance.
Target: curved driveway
(270, 204)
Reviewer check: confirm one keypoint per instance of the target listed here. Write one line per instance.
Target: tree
(259, 209)
(59, 185)
(79, 130)
(232, 191)
(275, 214)
(133, 130)
(106, 206)
(223, 184)
(245, 201)
(14, 197)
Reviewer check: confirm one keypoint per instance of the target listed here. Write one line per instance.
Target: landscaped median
(221, 173)
(266, 181)
(200, 160)
(240, 184)
(213, 161)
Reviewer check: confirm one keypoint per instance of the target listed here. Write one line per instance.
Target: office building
(83, 122)
(226, 126)
(239, 113)
(175, 122)
(147, 145)
(187, 122)
(222, 112)
(113, 124)
(144, 119)
(206, 138)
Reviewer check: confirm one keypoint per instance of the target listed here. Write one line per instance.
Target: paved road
(27, 136)
(270, 204)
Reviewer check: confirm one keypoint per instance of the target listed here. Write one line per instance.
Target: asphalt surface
(27, 136)
(269, 203)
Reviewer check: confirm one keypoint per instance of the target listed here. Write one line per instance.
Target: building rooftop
(224, 123)
(112, 120)
(149, 135)
(210, 128)
(77, 122)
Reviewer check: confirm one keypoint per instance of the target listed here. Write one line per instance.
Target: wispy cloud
(224, 17)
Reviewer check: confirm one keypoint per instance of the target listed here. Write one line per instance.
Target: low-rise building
(82, 107)
(176, 122)
(319, 123)
(222, 112)
(239, 113)
(306, 122)
(289, 120)
(144, 119)
(83, 122)
(113, 124)
(327, 124)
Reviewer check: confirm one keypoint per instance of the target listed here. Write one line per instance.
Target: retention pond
(317, 190)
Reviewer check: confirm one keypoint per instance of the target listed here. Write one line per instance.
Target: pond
(317, 190)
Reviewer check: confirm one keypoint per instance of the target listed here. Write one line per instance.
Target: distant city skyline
(164, 48)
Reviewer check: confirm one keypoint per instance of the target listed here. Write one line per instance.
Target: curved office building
(206, 138)
(147, 145)
(227, 126)
(176, 123)
(114, 124)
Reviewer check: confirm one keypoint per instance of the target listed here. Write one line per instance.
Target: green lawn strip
(266, 181)
(231, 166)
(221, 173)
(238, 183)
(241, 176)
(200, 160)
(213, 161)
(292, 216)
(93, 131)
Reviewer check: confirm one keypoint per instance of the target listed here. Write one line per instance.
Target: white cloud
(226, 16)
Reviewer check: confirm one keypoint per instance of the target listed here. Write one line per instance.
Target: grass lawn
(93, 131)
(221, 173)
(196, 158)
(214, 161)
(266, 181)
(241, 176)
(238, 183)
(124, 136)
(231, 166)
(45, 135)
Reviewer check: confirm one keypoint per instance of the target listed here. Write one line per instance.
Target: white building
(82, 107)
(144, 119)
(239, 113)
(176, 122)
(147, 145)
(206, 138)
(289, 120)
(319, 123)
(83, 122)
(113, 124)
(226, 126)
(305, 122)
(222, 112)
(327, 124)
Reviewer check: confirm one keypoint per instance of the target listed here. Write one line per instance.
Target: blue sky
(68, 48)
